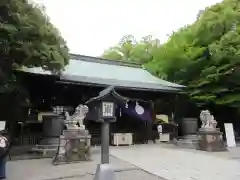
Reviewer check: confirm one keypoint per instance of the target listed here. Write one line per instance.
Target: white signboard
(230, 137)
(2, 125)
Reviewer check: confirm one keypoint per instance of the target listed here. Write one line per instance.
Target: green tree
(27, 38)
(122, 51)
(205, 56)
(129, 49)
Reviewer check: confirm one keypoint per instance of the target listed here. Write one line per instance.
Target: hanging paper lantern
(139, 109)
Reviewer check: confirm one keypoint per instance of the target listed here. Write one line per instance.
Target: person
(4, 148)
(159, 129)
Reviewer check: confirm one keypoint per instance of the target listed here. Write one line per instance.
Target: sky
(92, 26)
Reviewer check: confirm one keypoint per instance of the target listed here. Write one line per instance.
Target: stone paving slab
(161, 160)
(235, 152)
(42, 169)
(180, 164)
(123, 175)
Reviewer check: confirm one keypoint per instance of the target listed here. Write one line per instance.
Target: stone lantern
(104, 106)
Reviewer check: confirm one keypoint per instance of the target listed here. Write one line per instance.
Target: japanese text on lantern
(107, 109)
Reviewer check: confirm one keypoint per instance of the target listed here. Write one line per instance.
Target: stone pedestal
(74, 146)
(211, 140)
(188, 141)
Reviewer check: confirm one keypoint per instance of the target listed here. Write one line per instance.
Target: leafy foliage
(129, 49)
(27, 38)
(205, 56)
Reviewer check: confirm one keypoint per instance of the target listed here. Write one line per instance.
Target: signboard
(230, 137)
(162, 117)
(2, 125)
(107, 109)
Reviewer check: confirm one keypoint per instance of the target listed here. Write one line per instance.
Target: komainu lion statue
(208, 121)
(76, 120)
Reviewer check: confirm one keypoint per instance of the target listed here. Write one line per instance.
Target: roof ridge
(104, 61)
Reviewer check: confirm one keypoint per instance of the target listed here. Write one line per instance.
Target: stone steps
(187, 144)
(45, 150)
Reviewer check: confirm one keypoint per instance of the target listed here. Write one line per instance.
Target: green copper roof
(91, 70)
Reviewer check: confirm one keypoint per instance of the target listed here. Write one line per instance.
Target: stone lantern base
(210, 140)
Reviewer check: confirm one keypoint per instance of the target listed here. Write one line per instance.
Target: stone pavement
(180, 164)
(42, 169)
(235, 153)
(125, 175)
